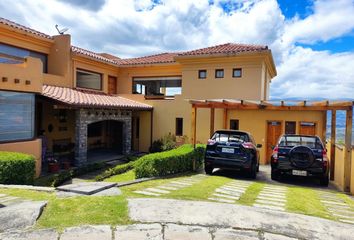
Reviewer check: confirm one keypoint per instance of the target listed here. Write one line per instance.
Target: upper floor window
(237, 72)
(15, 55)
(16, 116)
(86, 79)
(202, 74)
(219, 73)
(157, 87)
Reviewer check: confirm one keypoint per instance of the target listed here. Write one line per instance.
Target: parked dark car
(300, 155)
(235, 150)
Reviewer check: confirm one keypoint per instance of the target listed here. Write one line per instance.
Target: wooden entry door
(274, 130)
(112, 85)
(308, 128)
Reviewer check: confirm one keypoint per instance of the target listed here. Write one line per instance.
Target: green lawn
(124, 177)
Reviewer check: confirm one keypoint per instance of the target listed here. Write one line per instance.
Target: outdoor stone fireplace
(84, 117)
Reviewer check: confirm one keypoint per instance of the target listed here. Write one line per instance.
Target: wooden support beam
(194, 126)
(324, 126)
(212, 120)
(333, 144)
(225, 118)
(348, 150)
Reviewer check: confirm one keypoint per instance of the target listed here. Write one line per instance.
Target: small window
(202, 74)
(237, 72)
(86, 79)
(234, 124)
(179, 126)
(290, 127)
(219, 73)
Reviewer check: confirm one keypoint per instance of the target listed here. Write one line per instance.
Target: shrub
(169, 162)
(165, 143)
(115, 170)
(17, 168)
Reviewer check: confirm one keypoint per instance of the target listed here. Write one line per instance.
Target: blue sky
(312, 41)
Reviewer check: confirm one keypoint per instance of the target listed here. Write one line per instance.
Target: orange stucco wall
(33, 147)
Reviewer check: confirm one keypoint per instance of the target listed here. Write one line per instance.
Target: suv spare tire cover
(301, 156)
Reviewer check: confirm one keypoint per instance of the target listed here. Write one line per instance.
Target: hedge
(169, 162)
(115, 170)
(17, 168)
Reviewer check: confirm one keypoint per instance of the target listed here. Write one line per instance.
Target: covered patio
(227, 105)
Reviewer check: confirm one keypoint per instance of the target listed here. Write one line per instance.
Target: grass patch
(28, 194)
(306, 201)
(199, 191)
(124, 177)
(61, 213)
(249, 197)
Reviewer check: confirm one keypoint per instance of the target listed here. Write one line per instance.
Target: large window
(14, 55)
(157, 86)
(86, 79)
(16, 116)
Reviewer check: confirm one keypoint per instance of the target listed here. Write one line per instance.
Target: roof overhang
(272, 105)
(74, 98)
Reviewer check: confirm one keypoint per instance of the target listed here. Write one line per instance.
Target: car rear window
(230, 137)
(308, 141)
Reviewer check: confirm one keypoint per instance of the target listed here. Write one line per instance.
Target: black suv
(300, 155)
(230, 149)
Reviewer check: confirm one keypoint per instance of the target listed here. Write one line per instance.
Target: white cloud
(141, 27)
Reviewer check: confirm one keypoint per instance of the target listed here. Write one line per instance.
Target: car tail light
(275, 154)
(324, 158)
(247, 145)
(211, 142)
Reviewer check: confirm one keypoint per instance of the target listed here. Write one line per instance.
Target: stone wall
(84, 117)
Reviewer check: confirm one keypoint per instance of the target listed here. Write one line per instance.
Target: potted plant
(53, 165)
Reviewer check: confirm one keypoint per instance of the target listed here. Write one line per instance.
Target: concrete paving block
(114, 191)
(228, 192)
(87, 188)
(271, 199)
(168, 188)
(269, 207)
(233, 189)
(226, 196)
(326, 202)
(89, 232)
(139, 232)
(346, 221)
(45, 234)
(271, 236)
(147, 193)
(221, 200)
(273, 203)
(178, 232)
(181, 183)
(2, 195)
(157, 190)
(280, 196)
(233, 234)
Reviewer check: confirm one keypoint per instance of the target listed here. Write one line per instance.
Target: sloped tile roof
(93, 55)
(152, 59)
(23, 28)
(83, 98)
(228, 48)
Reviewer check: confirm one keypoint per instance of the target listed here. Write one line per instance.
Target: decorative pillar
(80, 138)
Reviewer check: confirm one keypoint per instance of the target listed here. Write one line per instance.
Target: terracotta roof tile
(228, 48)
(94, 55)
(24, 28)
(152, 59)
(83, 98)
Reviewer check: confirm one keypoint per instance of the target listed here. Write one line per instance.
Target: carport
(319, 106)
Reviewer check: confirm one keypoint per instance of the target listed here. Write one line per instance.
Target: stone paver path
(6, 200)
(337, 207)
(272, 197)
(153, 231)
(171, 186)
(230, 192)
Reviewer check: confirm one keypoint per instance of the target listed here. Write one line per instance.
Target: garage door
(273, 133)
(308, 128)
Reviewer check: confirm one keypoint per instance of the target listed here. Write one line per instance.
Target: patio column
(225, 118)
(212, 120)
(333, 144)
(128, 136)
(194, 126)
(80, 138)
(348, 150)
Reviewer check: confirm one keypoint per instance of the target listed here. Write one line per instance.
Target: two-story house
(92, 106)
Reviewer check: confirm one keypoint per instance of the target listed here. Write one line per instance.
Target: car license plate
(227, 150)
(299, 173)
